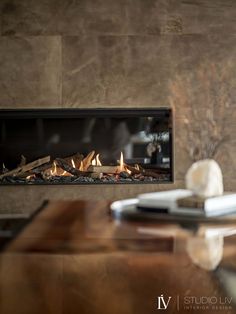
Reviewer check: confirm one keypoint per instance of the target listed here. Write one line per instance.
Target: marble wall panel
(30, 72)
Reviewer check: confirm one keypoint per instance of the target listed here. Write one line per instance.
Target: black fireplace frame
(95, 112)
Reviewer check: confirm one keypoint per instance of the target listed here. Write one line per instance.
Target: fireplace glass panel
(141, 139)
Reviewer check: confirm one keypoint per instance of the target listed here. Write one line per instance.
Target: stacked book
(183, 202)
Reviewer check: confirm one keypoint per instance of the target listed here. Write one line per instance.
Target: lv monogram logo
(162, 304)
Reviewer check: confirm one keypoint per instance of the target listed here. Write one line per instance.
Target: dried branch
(206, 127)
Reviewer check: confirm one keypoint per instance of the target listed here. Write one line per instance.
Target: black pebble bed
(122, 178)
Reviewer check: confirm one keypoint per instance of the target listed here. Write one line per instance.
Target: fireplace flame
(57, 171)
(119, 171)
(81, 167)
(121, 167)
(93, 163)
(54, 170)
(31, 176)
(96, 161)
(127, 170)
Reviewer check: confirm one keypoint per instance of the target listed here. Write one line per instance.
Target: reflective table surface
(74, 257)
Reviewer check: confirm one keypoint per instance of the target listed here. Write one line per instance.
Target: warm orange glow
(96, 161)
(121, 167)
(73, 163)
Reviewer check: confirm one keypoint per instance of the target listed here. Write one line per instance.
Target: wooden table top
(73, 257)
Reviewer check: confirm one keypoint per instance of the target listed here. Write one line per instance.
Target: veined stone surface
(30, 72)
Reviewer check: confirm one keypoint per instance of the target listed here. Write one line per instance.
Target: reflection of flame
(121, 168)
(96, 161)
(73, 163)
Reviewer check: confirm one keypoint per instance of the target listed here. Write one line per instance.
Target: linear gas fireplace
(73, 146)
